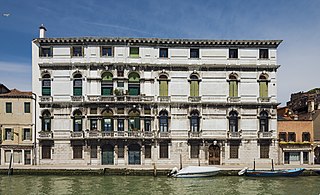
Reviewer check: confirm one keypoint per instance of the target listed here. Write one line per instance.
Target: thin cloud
(12, 67)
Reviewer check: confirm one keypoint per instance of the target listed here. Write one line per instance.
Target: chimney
(42, 31)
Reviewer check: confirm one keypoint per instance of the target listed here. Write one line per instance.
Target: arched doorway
(134, 154)
(214, 155)
(107, 154)
(317, 155)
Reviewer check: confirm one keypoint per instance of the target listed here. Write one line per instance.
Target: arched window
(264, 124)
(233, 85)
(46, 121)
(107, 120)
(77, 121)
(163, 121)
(194, 86)
(163, 85)
(263, 86)
(233, 121)
(46, 85)
(106, 84)
(134, 84)
(77, 85)
(134, 120)
(194, 121)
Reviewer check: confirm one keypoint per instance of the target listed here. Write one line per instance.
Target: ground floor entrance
(214, 155)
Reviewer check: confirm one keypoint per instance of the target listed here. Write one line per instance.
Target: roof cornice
(157, 42)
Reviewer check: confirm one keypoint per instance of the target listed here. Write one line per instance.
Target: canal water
(229, 185)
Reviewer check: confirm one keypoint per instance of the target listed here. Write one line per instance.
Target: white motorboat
(194, 171)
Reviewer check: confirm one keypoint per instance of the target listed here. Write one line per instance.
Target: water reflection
(156, 185)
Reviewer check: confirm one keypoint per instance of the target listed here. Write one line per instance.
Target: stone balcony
(44, 99)
(120, 98)
(194, 99)
(264, 99)
(234, 135)
(45, 135)
(265, 135)
(119, 134)
(194, 134)
(77, 98)
(164, 98)
(76, 135)
(164, 134)
(233, 99)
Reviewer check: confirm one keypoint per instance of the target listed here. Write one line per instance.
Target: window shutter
(22, 134)
(263, 89)
(12, 134)
(193, 88)
(231, 89)
(196, 88)
(163, 88)
(137, 123)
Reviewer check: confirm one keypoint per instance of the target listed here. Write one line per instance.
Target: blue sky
(294, 21)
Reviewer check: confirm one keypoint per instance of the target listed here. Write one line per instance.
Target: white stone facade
(195, 112)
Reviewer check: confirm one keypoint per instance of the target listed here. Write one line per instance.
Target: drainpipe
(35, 129)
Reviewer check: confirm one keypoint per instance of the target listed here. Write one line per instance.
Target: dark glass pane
(194, 53)
(163, 52)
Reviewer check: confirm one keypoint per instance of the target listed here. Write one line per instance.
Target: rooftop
(16, 93)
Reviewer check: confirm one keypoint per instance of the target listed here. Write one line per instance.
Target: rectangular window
(107, 124)
(45, 52)
(233, 53)
(77, 51)
(93, 124)
(46, 152)
(163, 52)
(263, 88)
(77, 152)
(77, 126)
(194, 53)
(17, 156)
(286, 158)
(93, 152)
(306, 137)
(283, 136)
(27, 157)
(264, 151)
(147, 153)
(305, 157)
(234, 151)
(134, 124)
(194, 151)
(147, 124)
(120, 84)
(134, 52)
(263, 53)
(164, 150)
(8, 134)
(26, 134)
(27, 107)
(106, 51)
(120, 124)
(7, 156)
(291, 137)
(46, 87)
(120, 151)
(8, 107)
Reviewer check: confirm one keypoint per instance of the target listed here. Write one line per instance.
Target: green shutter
(133, 91)
(134, 52)
(77, 91)
(233, 89)
(163, 88)
(194, 89)
(137, 123)
(263, 89)
(106, 91)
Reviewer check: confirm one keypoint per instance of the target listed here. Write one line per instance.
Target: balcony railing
(107, 134)
(265, 135)
(119, 134)
(45, 98)
(78, 134)
(45, 135)
(263, 99)
(77, 98)
(194, 134)
(164, 98)
(233, 99)
(164, 134)
(194, 99)
(234, 135)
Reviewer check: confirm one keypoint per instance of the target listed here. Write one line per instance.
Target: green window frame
(134, 52)
(77, 87)
(163, 89)
(134, 84)
(8, 107)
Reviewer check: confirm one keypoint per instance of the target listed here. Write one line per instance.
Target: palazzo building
(151, 101)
